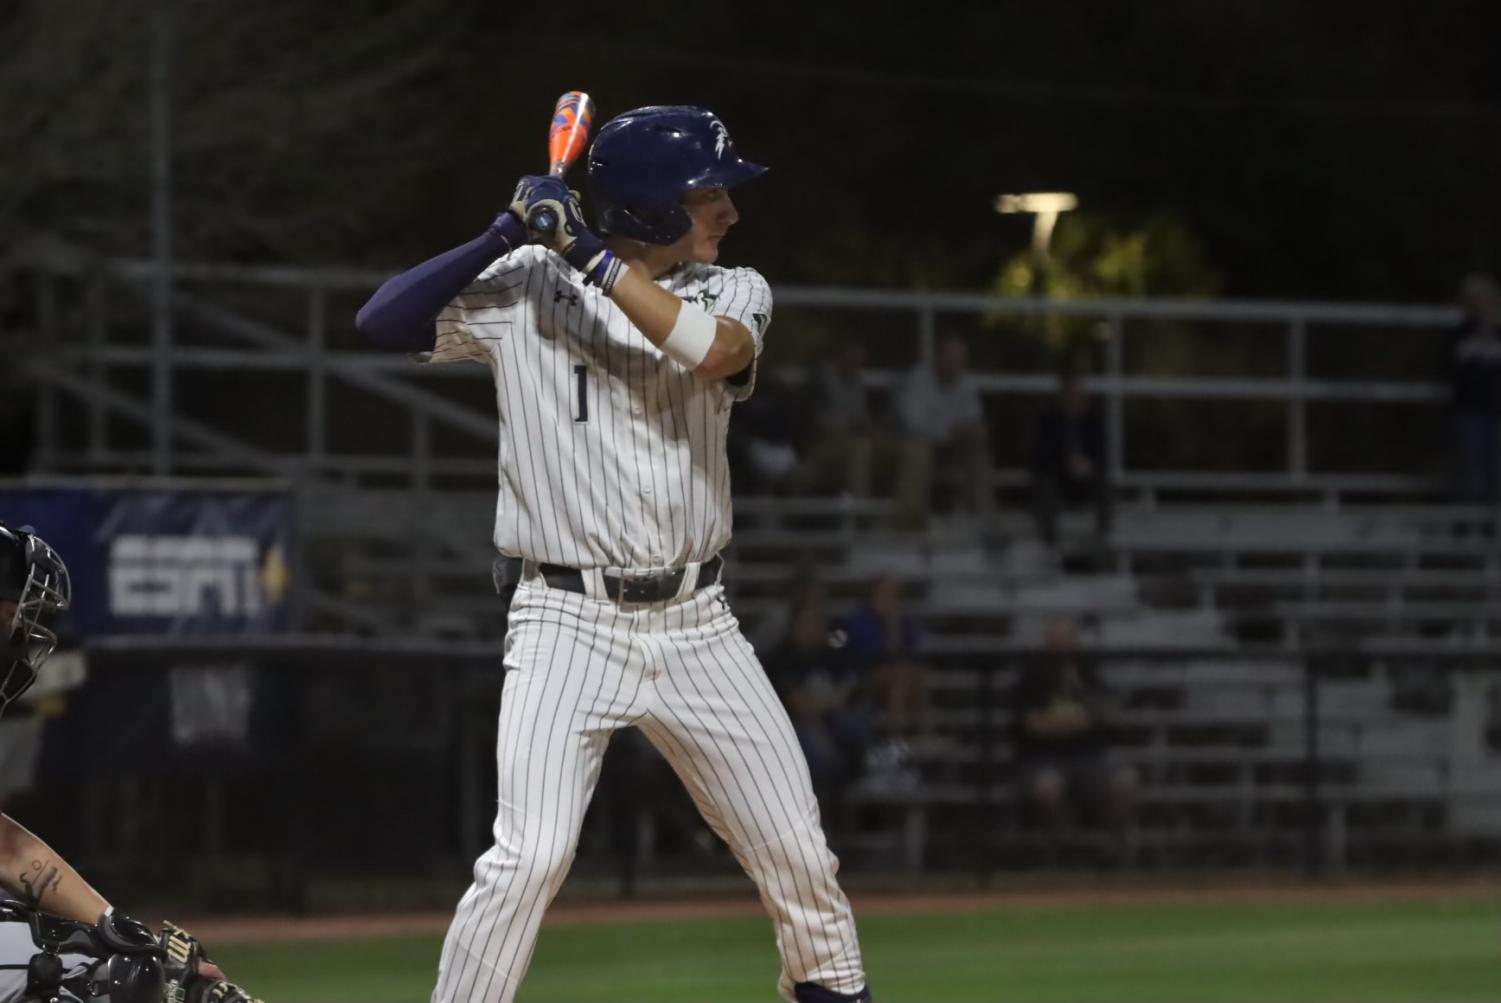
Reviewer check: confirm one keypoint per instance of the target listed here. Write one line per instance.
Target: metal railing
(310, 336)
(1315, 760)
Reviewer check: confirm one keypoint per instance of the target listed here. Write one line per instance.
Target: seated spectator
(1069, 459)
(840, 433)
(800, 588)
(943, 422)
(813, 677)
(884, 644)
(1474, 365)
(1062, 714)
(760, 446)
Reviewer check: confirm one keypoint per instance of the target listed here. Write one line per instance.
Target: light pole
(1045, 206)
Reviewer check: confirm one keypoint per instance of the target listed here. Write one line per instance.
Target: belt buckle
(653, 586)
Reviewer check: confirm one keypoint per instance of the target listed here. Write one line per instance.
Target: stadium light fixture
(1045, 207)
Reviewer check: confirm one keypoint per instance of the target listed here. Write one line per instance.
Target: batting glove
(183, 971)
(554, 218)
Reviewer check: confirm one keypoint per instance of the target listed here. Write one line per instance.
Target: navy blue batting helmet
(643, 161)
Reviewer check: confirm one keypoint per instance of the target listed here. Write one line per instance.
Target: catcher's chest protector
(45, 959)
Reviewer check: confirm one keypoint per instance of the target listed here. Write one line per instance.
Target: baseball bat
(566, 138)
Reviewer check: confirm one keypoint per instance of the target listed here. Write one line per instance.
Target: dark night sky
(1318, 150)
(1323, 150)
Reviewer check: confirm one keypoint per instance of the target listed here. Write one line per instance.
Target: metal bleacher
(1217, 719)
(1223, 592)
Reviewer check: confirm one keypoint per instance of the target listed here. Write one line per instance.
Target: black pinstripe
(470, 918)
(769, 843)
(560, 829)
(593, 434)
(565, 739)
(753, 684)
(792, 875)
(689, 749)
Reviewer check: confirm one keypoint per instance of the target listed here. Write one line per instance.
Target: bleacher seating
(1209, 608)
(1191, 588)
(1224, 765)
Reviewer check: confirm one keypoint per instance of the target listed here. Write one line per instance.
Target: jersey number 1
(581, 413)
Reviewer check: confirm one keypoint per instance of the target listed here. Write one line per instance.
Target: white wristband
(692, 336)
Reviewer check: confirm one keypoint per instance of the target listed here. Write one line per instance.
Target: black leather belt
(656, 586)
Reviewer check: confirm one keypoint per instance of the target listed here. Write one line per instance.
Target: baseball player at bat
(617, 355)
(60, 941)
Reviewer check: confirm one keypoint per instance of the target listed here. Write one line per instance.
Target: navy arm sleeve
(401, 316)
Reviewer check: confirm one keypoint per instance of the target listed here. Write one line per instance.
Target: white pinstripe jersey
(612, 455)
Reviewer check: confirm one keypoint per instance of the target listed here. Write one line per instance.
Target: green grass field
(1238, 952)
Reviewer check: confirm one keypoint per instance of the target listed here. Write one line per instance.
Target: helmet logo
(721, 138)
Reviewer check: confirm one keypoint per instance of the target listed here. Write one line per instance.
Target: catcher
(59, 939)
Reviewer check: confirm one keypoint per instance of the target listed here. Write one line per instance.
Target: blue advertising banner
(166, 561)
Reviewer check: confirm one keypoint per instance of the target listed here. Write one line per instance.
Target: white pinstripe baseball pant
(576, 670)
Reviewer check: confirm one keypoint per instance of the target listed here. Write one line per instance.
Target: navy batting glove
(554, 217)
(511, 228)
(531, 191)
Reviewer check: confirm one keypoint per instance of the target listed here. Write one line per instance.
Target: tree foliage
(1091, 256)
(292, 123)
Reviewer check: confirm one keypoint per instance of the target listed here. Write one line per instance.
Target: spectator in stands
(884, 645)
(761, 446)
(840, 433)
(1062, 716)
(943, 422)
(814, 679)
(1069, 463)
(800, 588)
(1474, 365)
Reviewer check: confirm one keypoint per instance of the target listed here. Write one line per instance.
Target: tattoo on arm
(39, 879)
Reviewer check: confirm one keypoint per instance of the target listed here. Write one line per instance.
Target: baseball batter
(617, 358)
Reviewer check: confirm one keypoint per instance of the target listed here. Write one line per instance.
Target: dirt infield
(346, 927)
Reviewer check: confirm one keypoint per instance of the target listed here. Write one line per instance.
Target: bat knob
(544, 221)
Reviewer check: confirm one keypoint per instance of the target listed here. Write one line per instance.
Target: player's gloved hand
(190, 975)
(219, 992)
(554, 218)
(531, 191)
(542, 199)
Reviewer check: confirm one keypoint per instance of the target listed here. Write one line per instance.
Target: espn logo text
(185, 576)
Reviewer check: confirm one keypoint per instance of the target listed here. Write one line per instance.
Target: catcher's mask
(33, 585)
